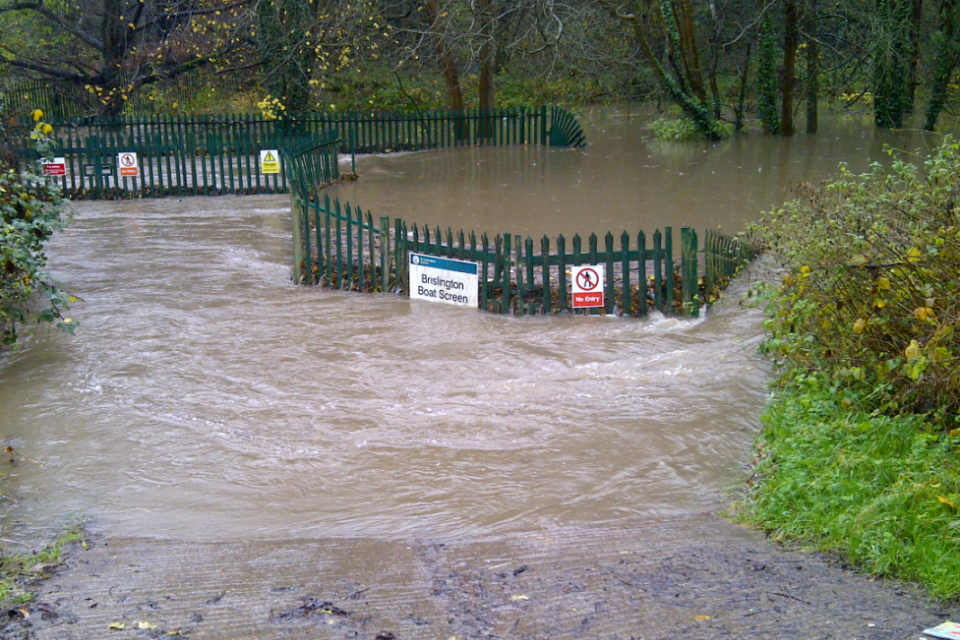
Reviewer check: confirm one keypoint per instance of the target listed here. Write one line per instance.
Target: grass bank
(860, 447)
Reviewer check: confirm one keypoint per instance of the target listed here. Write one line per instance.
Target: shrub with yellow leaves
(873, 284)
(30, 212)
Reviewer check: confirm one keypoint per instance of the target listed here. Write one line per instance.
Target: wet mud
(691, 577)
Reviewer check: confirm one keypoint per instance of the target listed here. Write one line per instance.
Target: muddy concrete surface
(691, 577)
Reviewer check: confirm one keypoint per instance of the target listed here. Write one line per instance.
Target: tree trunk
(948, 51)
(689, 51)
(487, 97)
(812, 86)
(766, 77)
(915, 18)
(790, 38)
(450, 76)
(891, 59)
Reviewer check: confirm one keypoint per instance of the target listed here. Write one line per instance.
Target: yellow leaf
(946, 501)
(519, 597)
(146, 625)
(117, 626)
(913, 255)
(883, 284)
(859, 325)
(36, 115)
(912, 350)
(702, 618)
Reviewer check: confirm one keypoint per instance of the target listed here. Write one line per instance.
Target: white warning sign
(587, 286)
(128, 165)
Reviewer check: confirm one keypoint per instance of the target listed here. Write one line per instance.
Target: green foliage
(872, 299)
(860, 449)
(675, 129)
(30, 212)
(884, 491)
(680, 129)
(891, 51)
(15, 568)
(766, 77)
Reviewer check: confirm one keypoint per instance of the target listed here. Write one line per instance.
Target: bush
(30, 212)
(681, 129)
(872, 298)
(860, 448)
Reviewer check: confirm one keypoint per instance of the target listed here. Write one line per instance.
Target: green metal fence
(216, 155)
(341, 247)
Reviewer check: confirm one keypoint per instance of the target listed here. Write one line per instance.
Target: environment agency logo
(415, 259)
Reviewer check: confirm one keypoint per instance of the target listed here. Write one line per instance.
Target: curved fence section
(342, 247)
(236, 154)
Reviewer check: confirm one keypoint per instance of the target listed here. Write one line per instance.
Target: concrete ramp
(694, 577)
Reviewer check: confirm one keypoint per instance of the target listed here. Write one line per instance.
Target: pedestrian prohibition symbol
(587, 286)
(128, 165)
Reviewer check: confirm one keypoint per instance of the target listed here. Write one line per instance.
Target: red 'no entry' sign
(587, 286)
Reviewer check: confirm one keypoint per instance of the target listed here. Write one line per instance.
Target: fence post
(384, 253)
(562, 271)
(296, 219)
(688, 271)
(543, 125)
(668, 266)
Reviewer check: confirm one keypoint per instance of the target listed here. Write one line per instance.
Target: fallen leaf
(702, 618)
(117, 626)
(519, 597)
(912, 350)
(145, 625)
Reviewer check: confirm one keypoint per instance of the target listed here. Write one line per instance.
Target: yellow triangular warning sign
(269, 157)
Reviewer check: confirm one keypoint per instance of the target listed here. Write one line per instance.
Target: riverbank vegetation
(19, 573)
(31, 210)
(722, 65)
(860, 446)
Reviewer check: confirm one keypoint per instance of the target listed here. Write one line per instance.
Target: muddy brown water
(206, 396)
(208, 400)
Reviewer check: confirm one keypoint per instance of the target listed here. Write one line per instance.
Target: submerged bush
(872, 298)
(681, 129)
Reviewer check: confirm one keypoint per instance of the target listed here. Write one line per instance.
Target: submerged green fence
(217, 155)
(341, 247)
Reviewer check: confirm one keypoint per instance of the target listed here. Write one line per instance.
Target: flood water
(207, 398)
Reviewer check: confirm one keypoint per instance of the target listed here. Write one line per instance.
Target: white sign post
(587, 286)
(128, 165)
(444, 280)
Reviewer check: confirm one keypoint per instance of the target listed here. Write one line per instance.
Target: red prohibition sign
(127, 160)
(587, 279)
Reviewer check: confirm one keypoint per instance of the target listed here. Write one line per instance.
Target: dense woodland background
(722, 64)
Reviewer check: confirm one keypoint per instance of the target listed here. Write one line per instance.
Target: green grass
(17, 569)
(883, 491)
